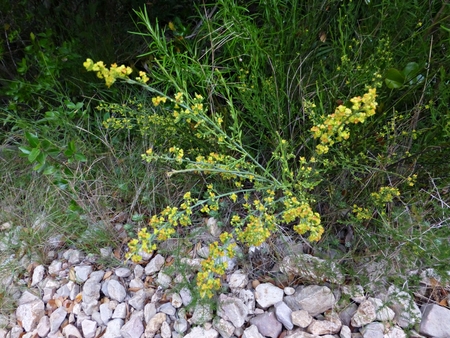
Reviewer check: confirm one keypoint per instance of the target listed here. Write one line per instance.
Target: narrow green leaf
(33, 154)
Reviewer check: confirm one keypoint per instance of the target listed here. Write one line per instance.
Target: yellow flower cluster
(215, 265)
(178, 153)
(335, 129)
(140, 244)
(385, 195)
(302, 213)
(112, 73)
(158, 100)
(361, 213)
(163, 226)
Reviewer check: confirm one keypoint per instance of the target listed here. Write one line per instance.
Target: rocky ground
(76, 297)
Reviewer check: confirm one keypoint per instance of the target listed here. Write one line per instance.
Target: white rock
(38, 275)
(201, 315)
(364, 315)
(267, 294)
(91, 291)
(321, 327)
(395, 332)
(56, 319)
(315, 299)
(74, 290)
(163, 280)
(16, 332)
(154, 325)
(213, 228)
(116, 290)
(138, 271)
(55, 267)
(166, 332)
(82, 272)
(154, 265)
(97, 317)
(233, 309)
(113, 329)
(312, 268)
(435, 321)
(267, 324)
(289, 291)
(136, 284)
(252, 332)
(198, 332)
(97, 276)
(122, 272)
(43, 327)
(238, 280)
(30, 313)
(180, 325)
(133, 328)
(373, 330)
(345, 332)
(71, 331)
(89, 308)
(406, 310)
(72, 256)
(89, 328)
(48, 294)
(384, 313)
(149, 311)
(301, 318)
(284, 313)
(168, 309)
(176, 301)
(224, 327)
(138, 300)
(105, 313)
(186, 296)
(248, 297)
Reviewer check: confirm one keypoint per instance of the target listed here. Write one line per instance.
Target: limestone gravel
(70, 298)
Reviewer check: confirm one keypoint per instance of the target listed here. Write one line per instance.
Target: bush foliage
(329, 121)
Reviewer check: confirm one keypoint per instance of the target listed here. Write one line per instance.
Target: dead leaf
(68, 305)
(443, 302)
(323, 36)
(107, 275)
(79, 298)
(136, 289)
(72, 274)
(118, 253)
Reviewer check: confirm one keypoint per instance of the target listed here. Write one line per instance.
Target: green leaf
(49, 170)
(70, 149)
(32, 139)
(137, 217)
(25, 150)
(61, 183)
(80, 157)
(410, 71)
(41, 158)
(394, 79)
(33, 154)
